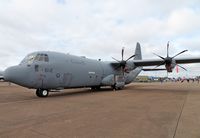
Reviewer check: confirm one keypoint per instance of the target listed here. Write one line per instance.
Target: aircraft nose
(15, 74)
(10, 73)
(19, 75)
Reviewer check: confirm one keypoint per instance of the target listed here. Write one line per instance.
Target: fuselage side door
(39, 76)
(93, 78)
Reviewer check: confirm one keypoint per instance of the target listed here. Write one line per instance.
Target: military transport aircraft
(50, 71)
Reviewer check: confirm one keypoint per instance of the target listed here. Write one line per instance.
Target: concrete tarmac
(141, 110)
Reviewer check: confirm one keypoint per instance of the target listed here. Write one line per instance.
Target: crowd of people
(196, 79)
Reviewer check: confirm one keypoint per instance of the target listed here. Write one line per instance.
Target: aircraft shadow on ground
(129, 89)
(80, 92)
(159, 90)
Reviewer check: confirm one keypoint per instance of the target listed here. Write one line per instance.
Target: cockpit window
(35, 57)
(46, 58)
(42, 57)
(28, 59)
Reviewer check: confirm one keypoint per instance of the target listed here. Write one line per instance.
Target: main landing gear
(117, 86)
(42, 92)
(95, 88)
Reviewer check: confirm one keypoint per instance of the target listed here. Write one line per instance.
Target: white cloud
(184, 22)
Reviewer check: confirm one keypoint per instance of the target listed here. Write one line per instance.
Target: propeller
(122, 63)
(168, 61)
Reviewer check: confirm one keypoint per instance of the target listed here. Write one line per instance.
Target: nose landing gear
(42, 92)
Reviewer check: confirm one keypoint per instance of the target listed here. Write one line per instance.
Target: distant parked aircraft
(47, 71)
(1, 75)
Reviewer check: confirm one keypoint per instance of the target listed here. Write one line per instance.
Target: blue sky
(99, 29)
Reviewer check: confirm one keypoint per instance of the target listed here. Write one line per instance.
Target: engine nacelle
(170, 66)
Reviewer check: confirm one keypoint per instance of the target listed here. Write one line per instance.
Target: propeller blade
(123, 53)
(116, 59)
(130, 58)
(182, 67)
(168, 49)
(180, 53)
(159, 56)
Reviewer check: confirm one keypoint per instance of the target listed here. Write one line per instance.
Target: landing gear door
(119, 81)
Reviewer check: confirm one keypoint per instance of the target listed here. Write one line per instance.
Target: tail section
(134, 70)
(138, 54)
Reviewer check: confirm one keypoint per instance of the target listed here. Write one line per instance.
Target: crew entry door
(40, 76)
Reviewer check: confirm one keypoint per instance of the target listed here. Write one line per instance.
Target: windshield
(29, 59)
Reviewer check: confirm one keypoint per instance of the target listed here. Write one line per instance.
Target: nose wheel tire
(42, 93)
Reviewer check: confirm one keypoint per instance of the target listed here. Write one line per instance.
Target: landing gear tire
(42, 93)
(114, 87)
(38, 93)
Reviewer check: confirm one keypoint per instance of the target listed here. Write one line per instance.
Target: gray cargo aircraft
(50, 71)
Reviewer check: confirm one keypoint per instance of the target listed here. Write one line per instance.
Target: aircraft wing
(155, 62)
(148, 62)
(187, 60)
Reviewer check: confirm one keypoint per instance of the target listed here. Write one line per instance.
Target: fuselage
(52, 70)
